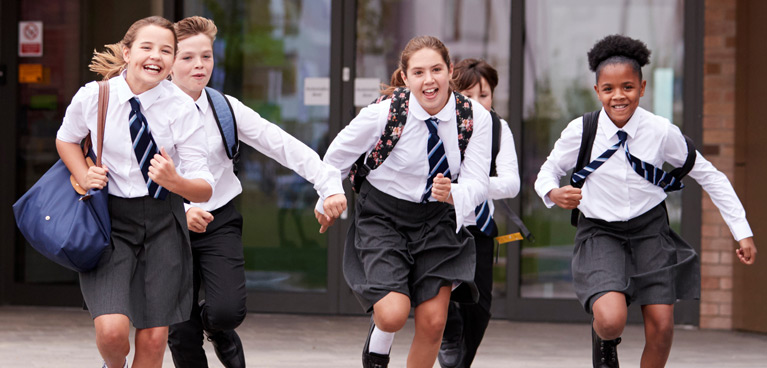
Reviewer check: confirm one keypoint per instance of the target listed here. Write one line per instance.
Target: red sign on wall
(30, 38)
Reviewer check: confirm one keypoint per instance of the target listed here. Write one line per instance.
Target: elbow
(201, 193)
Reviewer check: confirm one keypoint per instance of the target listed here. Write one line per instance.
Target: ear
(450, 71)
(596, 89)
(404, 79)
(641, 91)
(126, 54)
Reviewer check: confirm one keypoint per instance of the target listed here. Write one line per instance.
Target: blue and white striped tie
(437, 158)
(485, 222)
(593, 165)
(653, 174)
(144, 147)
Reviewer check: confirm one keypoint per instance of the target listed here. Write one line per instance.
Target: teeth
(152, 67)
(429, 90)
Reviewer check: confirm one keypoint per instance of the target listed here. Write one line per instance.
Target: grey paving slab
(64, 337)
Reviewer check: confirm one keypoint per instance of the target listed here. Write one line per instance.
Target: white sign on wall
(30, 38)
(317, 91)
(366, 90)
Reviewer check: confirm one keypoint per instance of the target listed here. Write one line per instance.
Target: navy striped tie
(653, 174)
(593, 165)
(144, 147)
(437, 158)
(484, 221)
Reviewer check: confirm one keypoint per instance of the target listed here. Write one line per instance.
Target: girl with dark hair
(466, 323)
(145, 277)
(625, 252)
(406, 246)
(215, 224)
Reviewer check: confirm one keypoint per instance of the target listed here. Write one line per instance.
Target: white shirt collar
(609, 129)
(202, 102)
(446, 114)
(124, 92)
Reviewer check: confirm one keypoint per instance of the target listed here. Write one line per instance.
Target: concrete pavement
(64, 337)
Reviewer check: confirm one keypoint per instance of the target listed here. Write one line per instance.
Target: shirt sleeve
(355, 139)
(713, 181)
(74, 126)
(191, 143)
(506, 184)
(561, 159)
(471, 188)
(275, 143)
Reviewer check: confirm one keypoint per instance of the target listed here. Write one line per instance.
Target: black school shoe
(604, 352)
(452, 350)
(373, 360)
(228, 348)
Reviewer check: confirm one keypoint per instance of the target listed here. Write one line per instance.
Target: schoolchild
(466, 323)
(625, 252)
(406, 246)
(215, 224)
(152, 130)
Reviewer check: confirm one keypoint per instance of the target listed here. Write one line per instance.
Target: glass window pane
(264, 52)
(558, 87)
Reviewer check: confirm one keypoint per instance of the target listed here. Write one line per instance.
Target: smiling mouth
(431, 92)
(152, 68)
(620, 107)
(198, 76)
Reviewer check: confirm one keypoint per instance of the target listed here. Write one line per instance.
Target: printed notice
(30, 38)
(317, 91)
(366, 90)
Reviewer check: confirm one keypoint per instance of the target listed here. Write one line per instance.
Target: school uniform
(396, 242)
(146, 274)
(469, 321)
(623, 242)
(219, 262)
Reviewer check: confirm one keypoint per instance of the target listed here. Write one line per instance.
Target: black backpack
(590, 123)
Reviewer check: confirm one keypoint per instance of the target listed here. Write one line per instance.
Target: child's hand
(197, 219)
(440, 189)
(747, 251)
(566, 197)
(324, 220)
(334, 205)
(163, 171)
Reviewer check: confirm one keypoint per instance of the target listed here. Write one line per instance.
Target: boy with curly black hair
(625, 252)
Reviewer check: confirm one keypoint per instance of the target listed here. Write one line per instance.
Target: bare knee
(431, 326)
(659, 331)
(610, 312)
(391, 319)
(152, 341)
(113, 340)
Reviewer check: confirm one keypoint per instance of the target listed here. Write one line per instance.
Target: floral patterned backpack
(394, 125)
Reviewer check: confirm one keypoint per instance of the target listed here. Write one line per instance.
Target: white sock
(380, 341)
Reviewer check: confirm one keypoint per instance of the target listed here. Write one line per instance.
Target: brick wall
(717, 244)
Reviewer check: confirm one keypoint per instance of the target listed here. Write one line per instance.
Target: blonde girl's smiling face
(428, 77)
(150, 58)
(619, 89)
(480, 92)
(194, 64)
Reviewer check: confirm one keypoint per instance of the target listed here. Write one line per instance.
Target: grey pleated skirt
(411, 248)
(146, 273)
(642, 258)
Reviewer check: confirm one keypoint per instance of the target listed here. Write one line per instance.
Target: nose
(429, 78)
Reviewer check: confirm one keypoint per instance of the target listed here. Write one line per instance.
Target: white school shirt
(268, 139)
(506, 184)
(172, 119)
(615, 192)
(404, 173)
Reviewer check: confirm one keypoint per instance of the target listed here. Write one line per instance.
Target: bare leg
(610, 312)
(150, 347)
(112, 338)
(391, 312)
(659, 333)
(430, 317)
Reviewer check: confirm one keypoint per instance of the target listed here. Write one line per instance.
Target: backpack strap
(590, 123)
(681, 172)
(395, 123)
(465, 119)
(496, 145)
(227, 125)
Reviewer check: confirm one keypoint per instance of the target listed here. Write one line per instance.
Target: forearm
(194, 190)
(73, 158)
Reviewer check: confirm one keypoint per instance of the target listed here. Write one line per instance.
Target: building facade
(309, 66)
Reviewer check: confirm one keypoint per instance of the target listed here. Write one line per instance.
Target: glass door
(470, 29)
(275, 57)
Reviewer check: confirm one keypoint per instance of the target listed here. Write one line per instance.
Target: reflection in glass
(558, 87)
(264, 51)
(385, 26)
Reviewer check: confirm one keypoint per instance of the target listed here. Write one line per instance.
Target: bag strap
(681, 172)
(496, 147)
(102, 115)
(464, 117)
(227, 124)
(590, 123)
